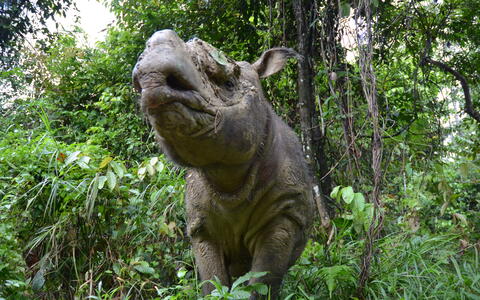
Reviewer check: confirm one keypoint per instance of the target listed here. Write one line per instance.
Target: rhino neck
(237, 181)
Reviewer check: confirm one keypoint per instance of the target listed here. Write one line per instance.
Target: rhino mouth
(186, 105)
(176, 108)
(173, 89)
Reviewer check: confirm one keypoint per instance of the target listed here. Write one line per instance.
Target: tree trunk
(313, 140)
(333, 57)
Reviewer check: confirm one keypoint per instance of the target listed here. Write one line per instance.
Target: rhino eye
(229, 85)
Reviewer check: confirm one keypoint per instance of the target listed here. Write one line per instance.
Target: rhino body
(248, 195)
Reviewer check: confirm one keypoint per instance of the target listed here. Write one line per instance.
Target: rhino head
(206, 108)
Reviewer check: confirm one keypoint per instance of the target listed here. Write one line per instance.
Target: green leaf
(334, 193)
(358, 202)
(247, 277)
(359, 223)
(347, 194)
(83, 162)
(117, 268)
(144, 268)
(219, 57)
(218, 286)
(368, 215)
(141, 172)
(155, 195)
(159, 167)
(150, 170)
(92, 195)
(153, 161)
(335, 274)
(101, 182)
(105, 162)
(240, 294)
(72, 157)
(181, 273)
(118, 168)
(111, 180)
(260, 288)
(331, 284)
(38, 280)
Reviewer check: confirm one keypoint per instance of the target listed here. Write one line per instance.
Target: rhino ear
(273, 60)
(136, 83)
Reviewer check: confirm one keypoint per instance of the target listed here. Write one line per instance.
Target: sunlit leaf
(144, 268)
(83, 162)
(153, 161)
(181, 273)
(101, 182)
(334, 193)
(111, 180)
(150, 170)
(159, 167)
(141, 172)
(247, 277)
(358, 202)
(219, 57)
(118, 168)
(347, 194)
(105, 162)
(72, 157)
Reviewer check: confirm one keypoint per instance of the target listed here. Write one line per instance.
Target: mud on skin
(248, 194)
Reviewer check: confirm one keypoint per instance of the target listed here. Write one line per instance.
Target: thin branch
(400, 131)
(469, 109)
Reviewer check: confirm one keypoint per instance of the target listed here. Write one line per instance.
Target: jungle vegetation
(389, 115)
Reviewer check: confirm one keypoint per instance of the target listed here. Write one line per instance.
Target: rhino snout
(167, 64)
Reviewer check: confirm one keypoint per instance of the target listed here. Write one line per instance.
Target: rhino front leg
(210, 262)
(275, 251)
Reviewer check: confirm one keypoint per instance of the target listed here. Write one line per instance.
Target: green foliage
(238, 290)
(83, 215)
(84, 90)
(356, 209)
(89, 209)
(12, 265)
(18, 18)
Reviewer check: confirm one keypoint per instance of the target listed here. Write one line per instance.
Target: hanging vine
(363, 21)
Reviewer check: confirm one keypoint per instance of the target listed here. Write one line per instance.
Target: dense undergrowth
(90, 209)
(79, 221)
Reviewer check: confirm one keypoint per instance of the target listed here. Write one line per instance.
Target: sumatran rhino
(248, 195)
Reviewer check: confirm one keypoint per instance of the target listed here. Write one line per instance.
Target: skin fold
(249, 193)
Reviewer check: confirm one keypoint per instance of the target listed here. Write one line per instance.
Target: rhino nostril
(177, 84)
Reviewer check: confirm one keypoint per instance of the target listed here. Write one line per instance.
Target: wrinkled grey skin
(248, 195)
